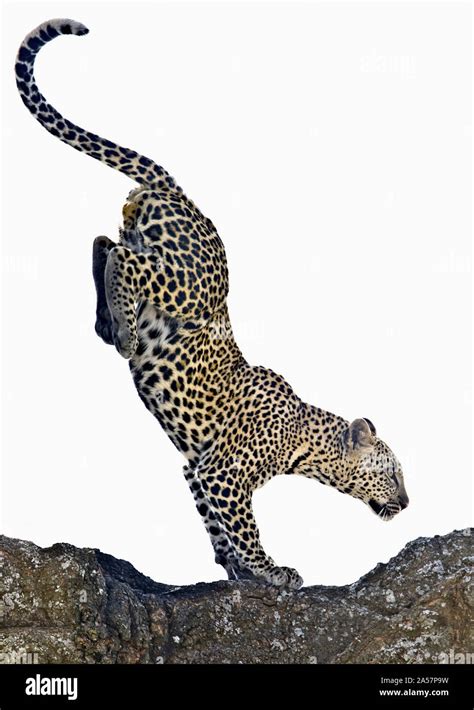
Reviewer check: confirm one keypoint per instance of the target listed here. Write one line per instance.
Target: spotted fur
(161, 299)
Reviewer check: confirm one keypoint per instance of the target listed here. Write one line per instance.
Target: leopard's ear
(371, 426)
(359, 435)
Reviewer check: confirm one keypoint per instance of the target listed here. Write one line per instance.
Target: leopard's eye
(392, 477)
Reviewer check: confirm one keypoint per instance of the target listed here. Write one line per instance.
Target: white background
(330, 144)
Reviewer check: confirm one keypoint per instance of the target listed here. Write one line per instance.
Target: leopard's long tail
(127, 161)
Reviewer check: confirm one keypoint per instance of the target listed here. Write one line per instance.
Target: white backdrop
(330, 144)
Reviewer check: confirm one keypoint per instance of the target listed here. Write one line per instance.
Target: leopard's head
(372, 472)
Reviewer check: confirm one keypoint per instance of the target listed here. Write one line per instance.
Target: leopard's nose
(403, 500)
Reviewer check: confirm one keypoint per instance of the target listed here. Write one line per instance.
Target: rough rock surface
(66, 604)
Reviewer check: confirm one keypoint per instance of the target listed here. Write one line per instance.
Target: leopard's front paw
(294, 579)
(285, 577)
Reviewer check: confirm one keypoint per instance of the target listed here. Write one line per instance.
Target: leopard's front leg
(231, 503)
(223, 550)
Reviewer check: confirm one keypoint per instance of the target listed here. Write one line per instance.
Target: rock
(67, 605)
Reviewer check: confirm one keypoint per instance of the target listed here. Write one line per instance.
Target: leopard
(162, 291)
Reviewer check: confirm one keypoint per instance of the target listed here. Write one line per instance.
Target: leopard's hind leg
(131, 277)
(103, 324)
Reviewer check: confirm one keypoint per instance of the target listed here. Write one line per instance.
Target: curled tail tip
(50, 29)
(38, 37)
(69, 27)
(63, 26)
